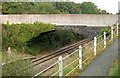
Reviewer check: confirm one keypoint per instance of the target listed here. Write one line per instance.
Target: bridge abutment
(88, 32)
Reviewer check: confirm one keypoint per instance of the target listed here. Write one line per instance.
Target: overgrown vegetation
(114, 69)
(52, 40)
(29, 38)
(50, 8)
(16, 36)
(16, 68)
(105, 29)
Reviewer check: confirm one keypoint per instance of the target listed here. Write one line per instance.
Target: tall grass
(16, 68)
(13, 56)
(114, 71)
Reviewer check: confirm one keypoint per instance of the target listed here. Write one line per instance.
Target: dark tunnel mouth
(50, 32)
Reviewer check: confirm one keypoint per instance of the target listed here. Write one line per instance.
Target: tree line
(50, 8)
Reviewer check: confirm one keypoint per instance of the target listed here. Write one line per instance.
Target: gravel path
(100, 66)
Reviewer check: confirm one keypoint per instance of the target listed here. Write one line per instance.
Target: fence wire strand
(70, 54)
(54, 74)
(72, 70)
(87, 58)
(88, 51)
(100, 48)
(45, 69)
(100, 42)
(100, 36)
(88, 43)
(71, 63)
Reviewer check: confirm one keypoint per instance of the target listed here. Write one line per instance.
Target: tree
(68, 7)
(46, 8)
(103, 12)
(12, 8)
(89, 8)
(50, 8)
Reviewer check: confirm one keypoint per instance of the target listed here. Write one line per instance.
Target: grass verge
(114, 69)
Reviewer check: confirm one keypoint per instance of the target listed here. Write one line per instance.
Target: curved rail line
(36, 60)
(58, 52)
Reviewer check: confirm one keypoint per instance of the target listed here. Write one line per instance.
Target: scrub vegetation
(35, 38)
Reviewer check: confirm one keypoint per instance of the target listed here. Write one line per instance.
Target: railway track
(58, 52)
(40, 64)
(37, 60)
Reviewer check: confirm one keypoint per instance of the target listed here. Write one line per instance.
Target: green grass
(114, 69)
(14, 56)
(0, 56)
(16, 68)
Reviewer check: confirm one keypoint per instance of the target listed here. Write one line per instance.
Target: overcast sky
(110, 6)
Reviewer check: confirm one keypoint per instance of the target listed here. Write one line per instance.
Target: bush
(17, 68)
(106, 29)
(35, 38)
(52, 40)
(17, 35)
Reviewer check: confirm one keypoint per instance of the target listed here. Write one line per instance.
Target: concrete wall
(62, 19)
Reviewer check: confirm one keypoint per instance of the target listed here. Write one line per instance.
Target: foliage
(50, 8)
(103, 12)
(105, 29)
(89, 8)
(34, 38)
(114, 69)
(17, 35)
(16, 68)
(52, 40)
(68, 7)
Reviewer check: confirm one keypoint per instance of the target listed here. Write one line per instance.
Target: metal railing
(84, 53)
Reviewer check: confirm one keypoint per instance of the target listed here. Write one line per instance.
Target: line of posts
(80, 51)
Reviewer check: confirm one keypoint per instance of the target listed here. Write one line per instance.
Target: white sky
(110, 6)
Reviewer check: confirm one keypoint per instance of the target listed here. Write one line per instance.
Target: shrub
(17, 68)
(52, 40)
(35, 38)
(17, 35)
(106, 29)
